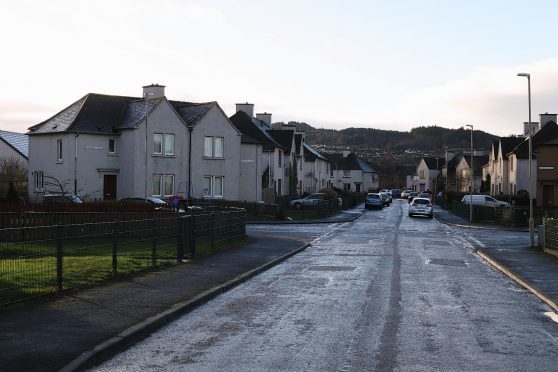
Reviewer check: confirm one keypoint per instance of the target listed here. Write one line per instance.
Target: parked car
(395, 193)
(310, 200)
(412, 195)
(149, 200)
(373, 200)
(405, 193)
(385, 198)
(425, 195)
(61, 199)
(484, 200)
(422, 207)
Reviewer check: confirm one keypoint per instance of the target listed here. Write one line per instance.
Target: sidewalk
(48, 334)
(530, 267)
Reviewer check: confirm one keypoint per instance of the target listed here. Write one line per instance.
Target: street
(383, 293)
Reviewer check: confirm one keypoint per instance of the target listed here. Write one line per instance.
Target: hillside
(420, 138)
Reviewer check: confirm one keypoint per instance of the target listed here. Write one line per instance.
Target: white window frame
(160, 150)
(39, 180)
(113, 140)
(157, 180)
(164, 188)
(346, 173)
(211, 149)
(212, 186)
(168, 138)
(59, 151)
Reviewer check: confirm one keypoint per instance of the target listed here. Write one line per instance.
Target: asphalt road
(383, 293)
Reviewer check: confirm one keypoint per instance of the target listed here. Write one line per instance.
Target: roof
(433, 162)
(284, 137)
(478, 162)
(99, 113)
(255, 129)
(18, 141)
(452, 163)
(547, 133)
(310, 154)
(509, 143)
(350, 162)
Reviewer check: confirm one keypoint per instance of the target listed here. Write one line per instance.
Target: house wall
(8, 152)
(519, 175)
(215, 123)
(423, 178)
(547, 176)
(162, 119)
(250, 187)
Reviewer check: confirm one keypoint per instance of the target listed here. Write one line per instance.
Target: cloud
(494, 99)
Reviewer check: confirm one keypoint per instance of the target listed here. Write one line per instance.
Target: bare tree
(64, 187)
(13, 169)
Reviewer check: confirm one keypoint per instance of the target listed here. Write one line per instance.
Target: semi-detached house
(111, 147)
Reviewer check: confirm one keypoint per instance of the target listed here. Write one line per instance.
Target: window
(59, 151)
(169, 184)
(169, 144)
(280, 158)
(347, 186)
(213, 147)
(163, 184)
(38, 180)
(213, 186)
(157, 178)
(208, 147)
(112, 146)
(219, 142)
(346, 173)
(331, 172)
(158, 144)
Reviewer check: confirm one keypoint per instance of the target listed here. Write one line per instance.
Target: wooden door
(109, 187)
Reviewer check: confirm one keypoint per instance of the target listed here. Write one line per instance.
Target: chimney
(248, 108)
(153, 91)
(346, 153)
(534, 128)
(265, 117)
(546, 118)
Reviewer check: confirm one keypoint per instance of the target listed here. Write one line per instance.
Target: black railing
(36, 261)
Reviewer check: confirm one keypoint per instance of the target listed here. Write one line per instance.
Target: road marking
(552, 316)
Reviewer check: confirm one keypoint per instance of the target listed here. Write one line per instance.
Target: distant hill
(419, 138)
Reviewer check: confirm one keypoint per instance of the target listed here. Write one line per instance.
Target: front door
(109, 187)
(548, 195)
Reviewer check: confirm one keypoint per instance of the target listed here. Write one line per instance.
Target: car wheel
(410, 215)
(431, 216)
(298, 206)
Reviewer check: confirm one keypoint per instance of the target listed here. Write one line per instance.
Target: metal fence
(550, 234)
(36, 261)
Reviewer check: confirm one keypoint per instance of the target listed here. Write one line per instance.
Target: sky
(385, 64)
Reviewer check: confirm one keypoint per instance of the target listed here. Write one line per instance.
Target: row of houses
(106, 147)
(505, 171)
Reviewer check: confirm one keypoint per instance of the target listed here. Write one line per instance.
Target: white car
(484, 200)
(421, 207)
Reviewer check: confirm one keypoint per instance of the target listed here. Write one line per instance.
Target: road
(383, 293)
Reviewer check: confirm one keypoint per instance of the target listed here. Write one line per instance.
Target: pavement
(81, 329)
(532, 268)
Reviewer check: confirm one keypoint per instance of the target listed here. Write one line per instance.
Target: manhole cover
(331, 268)
(447, 262)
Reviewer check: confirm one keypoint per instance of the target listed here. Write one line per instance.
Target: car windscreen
(374, 196)
(421, 201)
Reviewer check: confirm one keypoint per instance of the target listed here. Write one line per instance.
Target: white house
(112, 147)
(498, 167)
(349, 172)
(270, 158)
(428, 170)
(463, 173)
(14, 146)
(292, 141)
(316, 170)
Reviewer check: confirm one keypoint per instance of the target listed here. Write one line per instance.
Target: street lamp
(472, 182)
(531, 221)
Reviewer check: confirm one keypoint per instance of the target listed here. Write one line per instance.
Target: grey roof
(18, 141)
(99, 113)
(254, 128)
(310, 154)
(350, 162)
(434, 162)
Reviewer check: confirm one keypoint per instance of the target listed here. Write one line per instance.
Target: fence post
(59, 255)
(179, 240)
(114, 247)
(192, 235)
(154, 244)
(212, 222)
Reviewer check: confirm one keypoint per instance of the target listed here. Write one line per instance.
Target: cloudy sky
(333, 64)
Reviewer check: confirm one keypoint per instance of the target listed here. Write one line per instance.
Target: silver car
(421, 207)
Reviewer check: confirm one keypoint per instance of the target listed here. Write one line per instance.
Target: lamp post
(531, 221)
(472, 181)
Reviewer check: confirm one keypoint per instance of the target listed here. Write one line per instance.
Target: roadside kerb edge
(476, 227)
(136, 333)
(518, 279)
